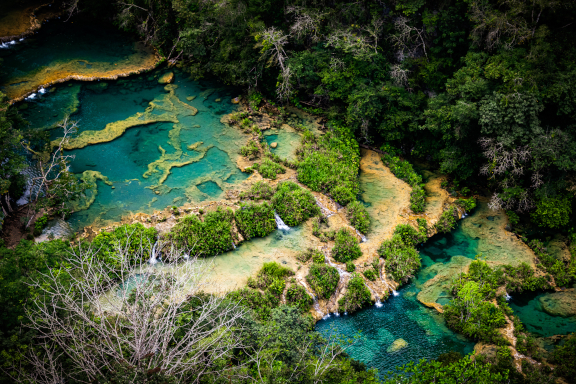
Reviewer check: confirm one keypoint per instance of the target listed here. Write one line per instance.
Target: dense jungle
(295, 191)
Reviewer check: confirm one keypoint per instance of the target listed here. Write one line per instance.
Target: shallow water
(75, 48)
(400, 316)
(528, 307)
(190, 158)
(287, 142)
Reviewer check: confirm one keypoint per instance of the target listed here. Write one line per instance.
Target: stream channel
(144, 146)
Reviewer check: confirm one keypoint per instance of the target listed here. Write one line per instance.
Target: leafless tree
(501, 159)
(54, 177)
(361, 42)
(409, 40)
(135, 313)
(399, 75)
(272, 42)
(306, 22)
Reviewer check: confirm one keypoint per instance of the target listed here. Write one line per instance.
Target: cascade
(280, 224)
(233, 245)
(378, 302)
(153, 259)
(364, 239)
(314, 298)
(340, 271)
(508, 297)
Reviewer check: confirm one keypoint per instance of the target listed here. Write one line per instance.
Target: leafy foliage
(357, 295)
(255, 220)
(330, 164)
(297, 296)
(404, 170)
(294, 204)
(129, 236)
(402, 260)
(553, 212)
(323, 279)
(260, 190)
(209, 237)
(346, 247)
(358, 216)
(250, 150)
(447, 220)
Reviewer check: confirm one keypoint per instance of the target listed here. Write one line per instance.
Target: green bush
(310, 253)
(261, 303)
(323, 279)
(205, 238)
(564, 357)
(270, 169)
(131, 237)
(401, 259)
(330, 163)
(346, 246)
(357, 295)
(553, 212)
(255, 220)
(318, 258)
(297, 296)
(294, 204)
(250, 150)
(350, 267)
(447, 220)
(358, 216)
(40, 224)
(260, 190)
(409, 235)
(370, 274)
(564, 272)
(404, 171)
(513, 218)
(467, 204)
(471, 314)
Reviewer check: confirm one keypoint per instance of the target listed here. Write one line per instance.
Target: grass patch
(404, 171)
(260, 190)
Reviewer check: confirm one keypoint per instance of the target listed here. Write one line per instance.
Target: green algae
(89, 178)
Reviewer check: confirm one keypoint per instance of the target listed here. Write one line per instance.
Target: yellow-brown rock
(166, 78)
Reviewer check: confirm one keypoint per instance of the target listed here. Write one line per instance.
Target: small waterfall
(42, 91)
(325, 211)
(364, 239)
(508, 297)
(186, 256)
(153, 259)
(378, 302)
(31, 97)
(394, 292)
(314, 298)
(280, 224)
(233, 245)
(340, 271)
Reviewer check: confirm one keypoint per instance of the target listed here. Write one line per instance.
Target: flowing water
(67, 49)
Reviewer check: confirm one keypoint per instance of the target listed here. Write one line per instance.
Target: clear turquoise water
(528, 308)
(287, 143)
(125, 159)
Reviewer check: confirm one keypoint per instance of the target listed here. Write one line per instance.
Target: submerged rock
(397, 345)
(559, 303)
(273, 145)
(236, 100)
(166, 78)
(190, 98)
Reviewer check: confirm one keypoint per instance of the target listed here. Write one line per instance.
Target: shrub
(261, 303)
(260, 190)
(563, 272)
(350, 267)
(409, 235)
(553, 212)
(308, 254)
(471, 314)
(467, 204)
(323, 279)
(132, 237)
(346, 247)
(318, 257)
(358, 216)
(205, 238)
(565, 359)
(404, 171)
(447, 220)
(513, 218)
(270, 169)
(370, 274)
(330, 164)
(356, 296)
(40, 224)
(255, 220)
(294, 204)
(272, 277)
(297, 296)
(401, 260)
(250, 150)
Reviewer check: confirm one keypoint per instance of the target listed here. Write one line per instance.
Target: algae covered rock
(273, 145)
(559, 303)
(397, 345)
(166, 78)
